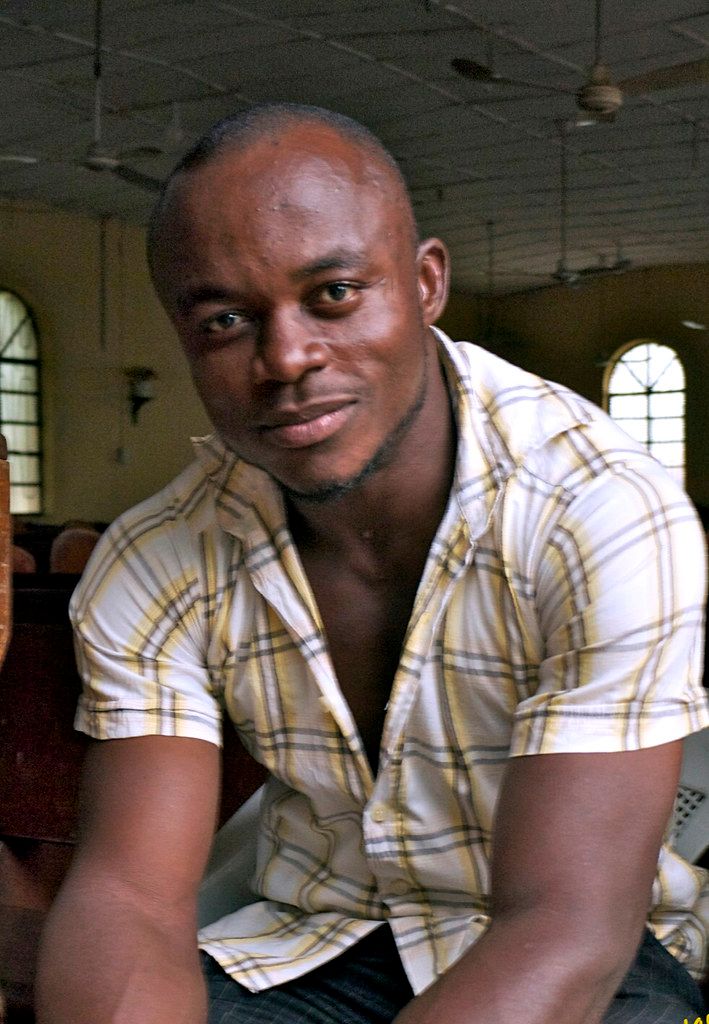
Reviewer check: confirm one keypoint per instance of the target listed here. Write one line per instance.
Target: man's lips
(307, 425)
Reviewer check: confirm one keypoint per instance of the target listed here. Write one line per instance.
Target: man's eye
(223, 321)
(336, 292)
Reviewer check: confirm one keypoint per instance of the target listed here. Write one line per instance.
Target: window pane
(24, 500)
(637, 429)
(667, 405)
(18, 377)
(667, 430)
(623, 381)
(659, 358)
(21, 344)
(18, 408)
(636, 359)
(628, 406)
(24, 469)
(672, 379)
(17, 337)
(21, 439)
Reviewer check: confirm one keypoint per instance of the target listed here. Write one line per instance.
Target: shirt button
(379, 813)
(399, 886)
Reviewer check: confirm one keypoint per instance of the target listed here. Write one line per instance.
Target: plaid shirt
(560, 609)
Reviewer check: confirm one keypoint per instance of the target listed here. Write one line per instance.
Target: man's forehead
(308, 182)
(283, 213)
(288, 169)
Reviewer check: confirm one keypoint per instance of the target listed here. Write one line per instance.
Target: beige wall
(462, 317)
(51, 259)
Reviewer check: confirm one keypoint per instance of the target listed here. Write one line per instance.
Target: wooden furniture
(5, 549)
(40, 762)
(40, 766)
(71, 549)
(5, 620)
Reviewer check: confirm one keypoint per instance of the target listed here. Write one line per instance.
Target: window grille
(20, 403)
(646, 397)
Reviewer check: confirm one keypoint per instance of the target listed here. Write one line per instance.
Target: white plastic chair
(690, 827)
(225, 887)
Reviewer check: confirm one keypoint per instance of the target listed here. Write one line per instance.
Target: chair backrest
(71, 549)
(23, 561)
(690, 825)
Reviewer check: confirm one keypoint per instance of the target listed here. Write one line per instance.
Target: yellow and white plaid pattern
(561, 609)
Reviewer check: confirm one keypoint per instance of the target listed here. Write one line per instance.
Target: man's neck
(400, 505)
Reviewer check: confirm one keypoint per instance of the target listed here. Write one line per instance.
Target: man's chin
(332, 490)
(327, 491)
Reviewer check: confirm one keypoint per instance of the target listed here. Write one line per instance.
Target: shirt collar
(503, 413)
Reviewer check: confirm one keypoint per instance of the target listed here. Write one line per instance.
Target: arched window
(20, 403)
(645, 394)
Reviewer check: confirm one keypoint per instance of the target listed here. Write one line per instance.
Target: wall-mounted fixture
(141, 388)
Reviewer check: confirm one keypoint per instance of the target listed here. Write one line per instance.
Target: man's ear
(433, 272)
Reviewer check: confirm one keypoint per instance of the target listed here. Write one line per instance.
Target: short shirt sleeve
(619, 592)
(140, 634)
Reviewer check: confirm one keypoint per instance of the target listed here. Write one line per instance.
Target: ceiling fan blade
(476, 72)
(134, 177)
(695, 72)
(472, 70)
(17, 158)
(146, 150)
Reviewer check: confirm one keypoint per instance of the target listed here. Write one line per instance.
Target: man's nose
(288, 347)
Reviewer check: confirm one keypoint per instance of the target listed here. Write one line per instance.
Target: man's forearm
(531, 967)
(107, 961)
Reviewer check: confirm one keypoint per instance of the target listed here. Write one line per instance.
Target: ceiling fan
(100, 157)
(600, 97)
(563, 274)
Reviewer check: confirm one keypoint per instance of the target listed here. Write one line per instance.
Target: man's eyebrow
(191, 297)
(339, 259)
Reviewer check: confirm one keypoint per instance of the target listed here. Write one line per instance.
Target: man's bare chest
(365, 624)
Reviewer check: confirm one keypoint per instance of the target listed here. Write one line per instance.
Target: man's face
(294, 284)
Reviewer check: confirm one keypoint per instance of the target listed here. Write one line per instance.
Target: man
(451, 607)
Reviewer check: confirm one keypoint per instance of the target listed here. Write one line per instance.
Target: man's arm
(574, 857)
(120, 942)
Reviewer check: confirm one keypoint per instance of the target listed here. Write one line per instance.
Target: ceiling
(483, 160)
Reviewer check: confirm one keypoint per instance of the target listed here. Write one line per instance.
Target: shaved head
(269, 122)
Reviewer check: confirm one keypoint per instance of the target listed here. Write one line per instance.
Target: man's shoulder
(500, 385)
(160, 535)
(510, 412)
(538, 423)
(183, 502)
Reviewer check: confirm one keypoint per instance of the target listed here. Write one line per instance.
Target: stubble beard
(335, 489)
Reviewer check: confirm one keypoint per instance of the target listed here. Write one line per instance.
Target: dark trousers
(367, 985)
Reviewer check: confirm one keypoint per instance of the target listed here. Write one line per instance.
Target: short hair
(267, 120)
